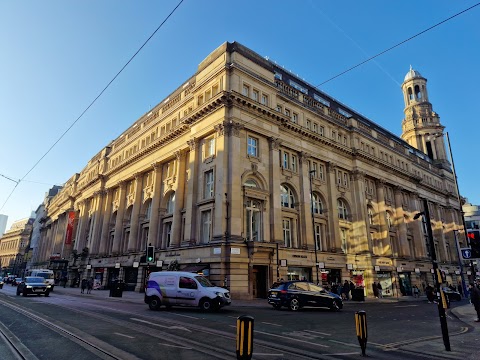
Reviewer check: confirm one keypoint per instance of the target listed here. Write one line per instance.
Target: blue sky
(56, 56)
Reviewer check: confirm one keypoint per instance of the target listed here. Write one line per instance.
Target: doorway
(259, 286)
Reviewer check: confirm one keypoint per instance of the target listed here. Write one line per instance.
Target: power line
(93, 102)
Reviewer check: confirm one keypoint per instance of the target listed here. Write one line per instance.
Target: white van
(47, 274)
(179, 288)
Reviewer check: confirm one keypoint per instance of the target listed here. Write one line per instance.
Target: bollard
(361, 326)
(244, 337)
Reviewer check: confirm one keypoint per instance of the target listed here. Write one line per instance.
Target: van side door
(187, 291)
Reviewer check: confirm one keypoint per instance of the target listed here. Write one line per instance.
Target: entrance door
(259, 281)
(405, 284)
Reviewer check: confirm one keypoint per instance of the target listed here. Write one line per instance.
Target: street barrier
(361, 327)
(244, 337)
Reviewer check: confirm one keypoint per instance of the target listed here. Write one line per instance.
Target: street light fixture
(441, 311)
(313, 223)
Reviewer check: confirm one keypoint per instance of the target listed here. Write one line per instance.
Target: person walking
(83, 285)
(379, 289)
(429, 292)
(475, 299)
(416, 291)
(89, 285)
(346, 290)
(375, 290)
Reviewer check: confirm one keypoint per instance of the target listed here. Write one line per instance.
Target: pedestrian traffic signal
(150, 253)
(474, 238)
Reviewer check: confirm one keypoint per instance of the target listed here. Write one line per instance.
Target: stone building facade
(249, 174)
(14, 247)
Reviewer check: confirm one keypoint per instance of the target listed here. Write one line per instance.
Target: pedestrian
(380, 290)
(83, 285)
(89, 285)
(429, 292)
(416, 291)
(64, 280)
(475, 299)
(346, 290)
(460, 289)
(375, 290)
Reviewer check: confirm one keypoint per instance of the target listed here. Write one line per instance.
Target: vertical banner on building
(69, 232)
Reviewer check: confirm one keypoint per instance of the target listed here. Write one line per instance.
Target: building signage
(417, 270)
(136, 264)
(235, 251)
(89, 267)
(321, 265)
(159, 263)
(117, 265)
(69, 231)
(384, 262)
(217, 251)
(377, 268)
(300, 256)
(283, 262)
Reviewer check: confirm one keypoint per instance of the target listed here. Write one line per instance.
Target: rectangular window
(315, 127)
(264, 99)
(339, 178)
(287, 112)
(209, 184)
(168, 234)
(322, 131)
(294, 163)
(287, 232)
(318, 237)
(321, 172)
(343, 237)
(209, 149)
(334, 135)
(208, 95)
(308, 124)
(279, 108)
(246, 90)
(255, 95)
(206, 218)
(315, 169)
(215, 90)
(295, 118)
(200, 100)
(285, 160)
(345, 179)
(252, 146)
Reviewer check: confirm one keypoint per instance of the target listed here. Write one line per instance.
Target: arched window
(410, 93)
(286, 197)
(418, 93)
(342, 209)
(250, 183)
(171, 203)
(317, 205)
(370, 215)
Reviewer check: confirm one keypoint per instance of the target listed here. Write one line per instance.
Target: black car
(452, 295)
(297, 294)
(33, 285)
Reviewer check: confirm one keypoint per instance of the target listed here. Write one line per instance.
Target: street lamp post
(441, 311)
(313, 224)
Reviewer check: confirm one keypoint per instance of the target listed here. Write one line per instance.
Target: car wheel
(206, 305)
(334, 306)
(154, 303)
(277, 306)
(294, 304)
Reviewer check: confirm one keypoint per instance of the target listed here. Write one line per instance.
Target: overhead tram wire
(379, 54)
(92, 103)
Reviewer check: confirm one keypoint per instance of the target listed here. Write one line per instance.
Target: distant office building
(14, 246)
(246, 173)
(3, 224)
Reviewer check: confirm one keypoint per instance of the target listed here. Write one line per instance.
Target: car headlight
(29, 287)
(219, 294)
(48, 286)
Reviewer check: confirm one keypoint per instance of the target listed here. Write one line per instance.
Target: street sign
(466, 253)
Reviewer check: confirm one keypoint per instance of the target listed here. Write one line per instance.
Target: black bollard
(244, 337)
(361, 327)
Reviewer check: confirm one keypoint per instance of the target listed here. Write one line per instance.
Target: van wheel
(154, 303)
(206, 305)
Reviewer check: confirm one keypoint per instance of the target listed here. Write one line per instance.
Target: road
(78, 327)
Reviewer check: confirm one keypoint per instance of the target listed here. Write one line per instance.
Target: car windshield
(18, 279)
(204, 281)
(317, 288)
(39, 280)
(276, 285)
(45, 275)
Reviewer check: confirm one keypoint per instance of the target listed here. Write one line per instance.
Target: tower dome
(412, 74)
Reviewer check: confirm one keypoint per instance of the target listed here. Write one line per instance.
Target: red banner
(69, 232)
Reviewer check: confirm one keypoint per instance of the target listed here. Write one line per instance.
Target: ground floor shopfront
(248, 270)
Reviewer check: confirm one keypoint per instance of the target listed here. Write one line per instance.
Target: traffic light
(474, 238)
(150, 253)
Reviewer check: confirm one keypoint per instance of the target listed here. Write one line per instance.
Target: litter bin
(358, 295)
(116, 290)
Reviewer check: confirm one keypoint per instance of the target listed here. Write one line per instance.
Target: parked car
(33, 285)
(1, 284)
(16, 281)
(297, 294)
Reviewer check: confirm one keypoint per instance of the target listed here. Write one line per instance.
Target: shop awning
(197, 268)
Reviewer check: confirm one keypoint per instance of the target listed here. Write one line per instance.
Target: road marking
(402, 306)
(187, 316)
(289, 338)
(318, 332)
(175, 346)
(127, 336)
(263, 354)
(263, 322)
(162, 326)
(343, 343)
(233, 317)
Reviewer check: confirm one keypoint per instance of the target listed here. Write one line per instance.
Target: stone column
(107, 215)
(400, 222)
(82, 224)
(137, 204)
(154, 215)
(97, 225)
(179, 198)
(305, 203)
(334, 241)
(192, 188)
(117, 238)
(360, 233)
(276, 231)
(382, 220)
